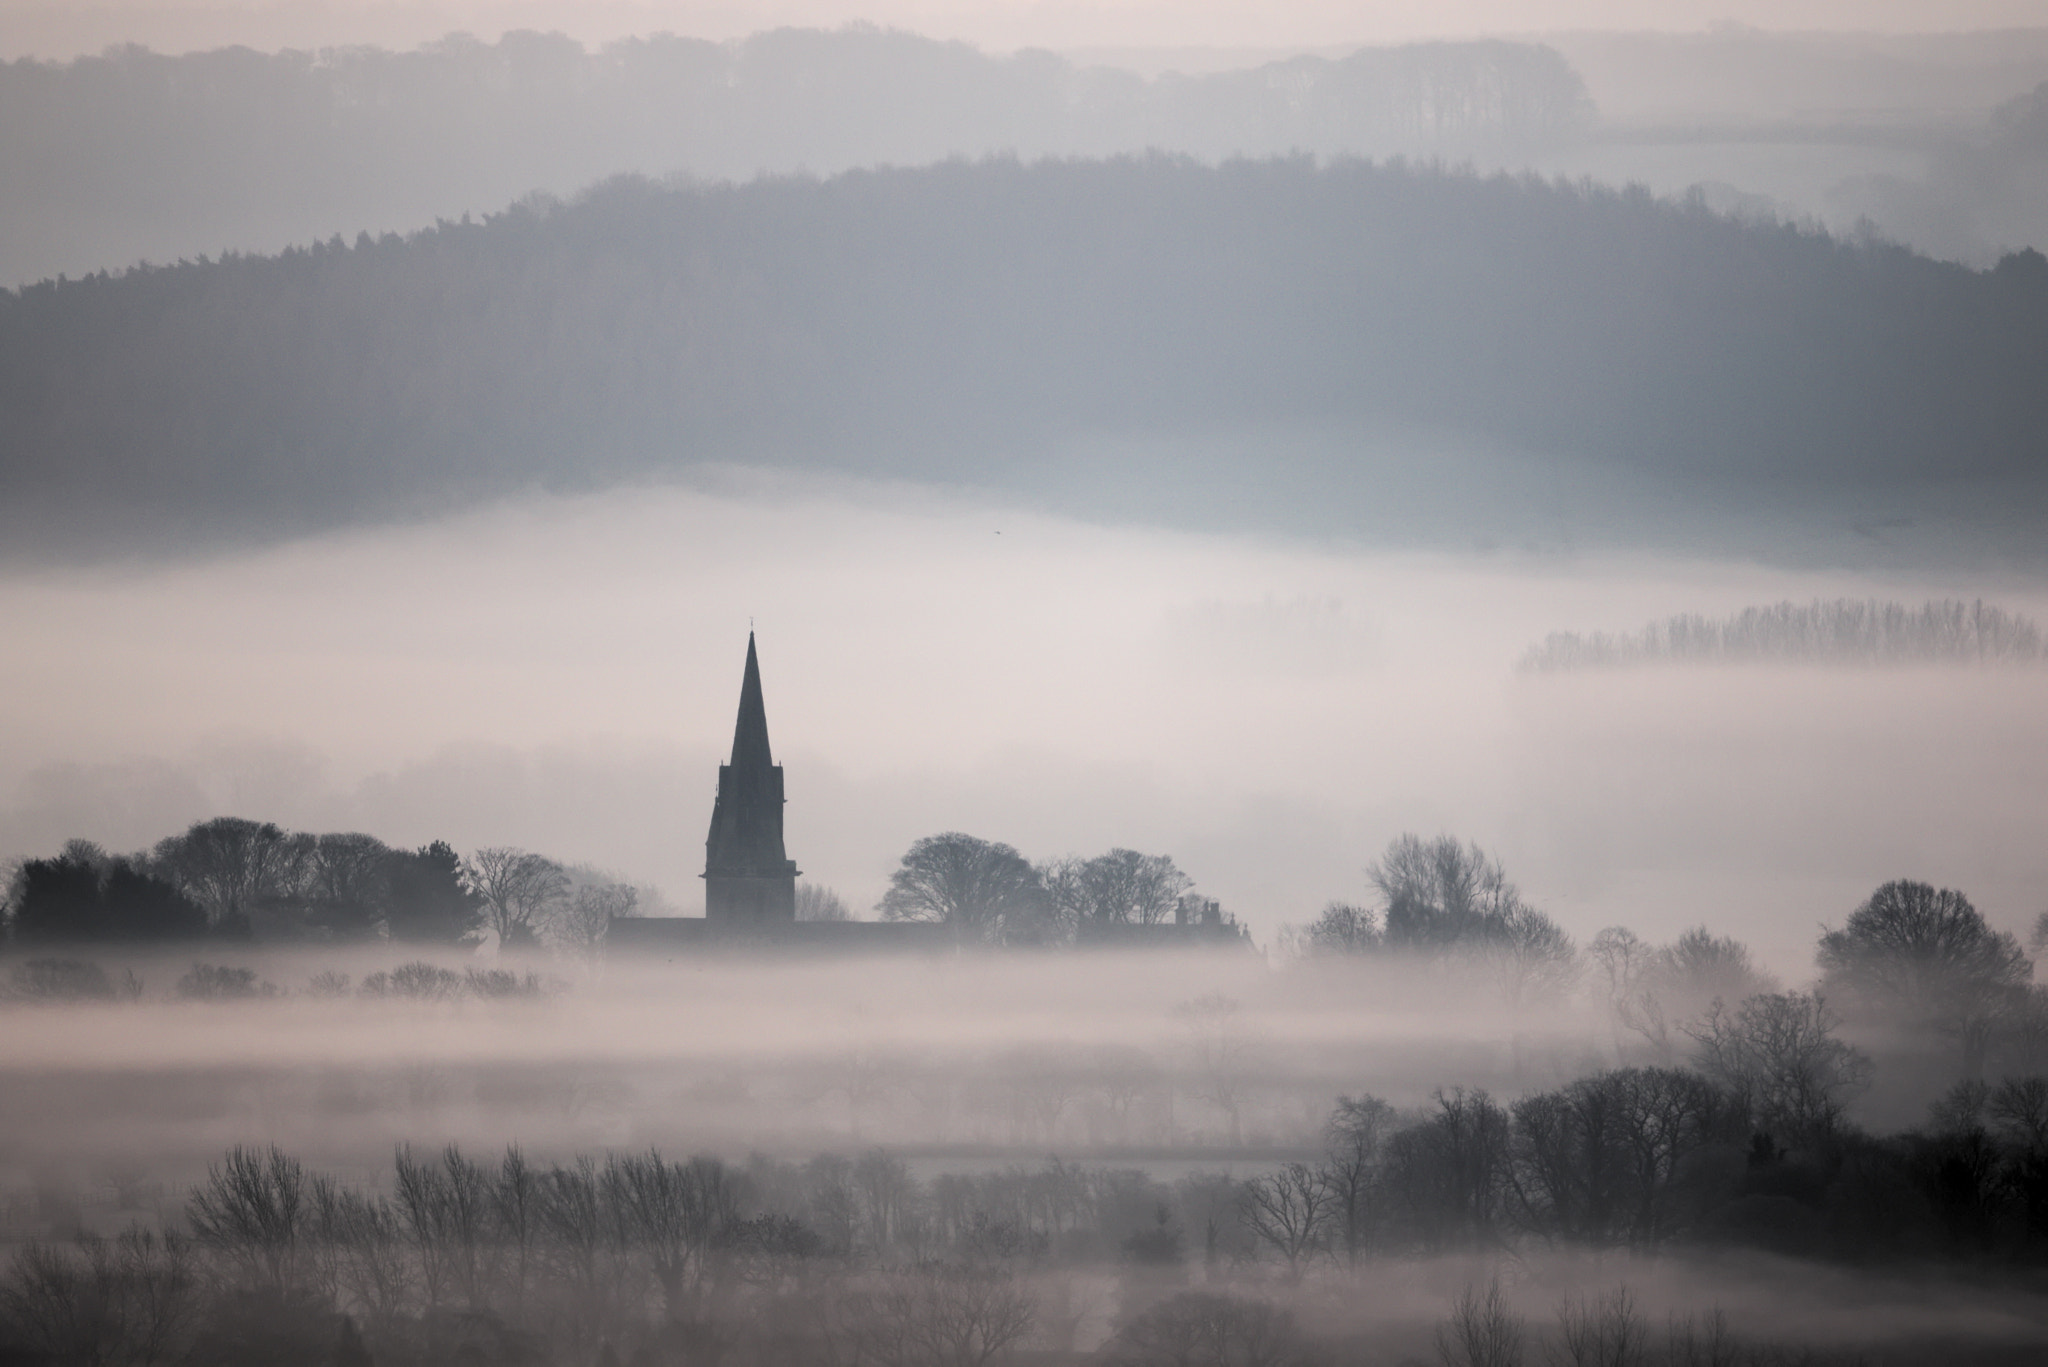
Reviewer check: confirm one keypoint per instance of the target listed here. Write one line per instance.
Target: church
(749, 878)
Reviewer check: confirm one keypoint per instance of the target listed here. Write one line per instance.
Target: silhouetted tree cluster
(856, 1258)
(233, 878)
(1842, 632)
(1914, 967)
(1643, 1158)
(991, 894)
(1653, 991)
(1451, 902)
(916, 312)
(51, 980)
(1923, 958)
(511, 1261)
(1981, 192)
(82, 896)
(816, 902)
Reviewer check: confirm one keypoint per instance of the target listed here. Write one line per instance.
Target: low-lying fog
(561, 674)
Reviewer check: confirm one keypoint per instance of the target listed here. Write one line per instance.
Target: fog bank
(561, 674)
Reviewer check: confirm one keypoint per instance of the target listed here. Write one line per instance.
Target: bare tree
(816, 902)
(362, 1250)
(585, 918)
(1703, 1341)
(2018, 1110)
(985, 890)
(1606, 1331)
(1620, 958)
(1451, 1173)
(682, 1216)
(228, 864)
(253, 1209)
(345, 881)
(1778, 1052)
(585, 1235)
(515, 889)
(1438, 891)
(1122, 887)
(422, 1208)
(1123, 1073)
(884, 1188)
(1217, 1036)
(1482, 1331)
(1926, 956)
(1290, 1210)
(127, 1300)
(1699, 966)
(1354, 1138)
(1530, 957)
(1206, 1329)
(1341, 931)
(945, 1316)
(1661, 989)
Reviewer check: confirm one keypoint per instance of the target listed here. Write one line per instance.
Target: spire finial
(750, 732)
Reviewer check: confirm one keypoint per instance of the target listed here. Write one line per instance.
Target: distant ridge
(135, 154)
(1843, 632)
(1008, 326)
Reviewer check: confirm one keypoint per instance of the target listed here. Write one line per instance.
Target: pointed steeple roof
(750, 733)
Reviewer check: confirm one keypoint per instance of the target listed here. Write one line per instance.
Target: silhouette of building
(749, 879)
(1198, 923)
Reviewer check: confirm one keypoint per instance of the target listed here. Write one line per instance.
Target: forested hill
(134, 155)
(963, 320)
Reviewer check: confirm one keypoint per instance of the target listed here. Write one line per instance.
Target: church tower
(748, 878)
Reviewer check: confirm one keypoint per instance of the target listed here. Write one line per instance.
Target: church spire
(748, 876)
(750, 732)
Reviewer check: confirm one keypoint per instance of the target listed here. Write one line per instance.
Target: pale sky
(64, 28)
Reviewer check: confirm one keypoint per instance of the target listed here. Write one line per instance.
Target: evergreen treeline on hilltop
(1842, 632)
(919, 322)
(134, 154)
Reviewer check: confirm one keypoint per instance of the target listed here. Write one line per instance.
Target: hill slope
(972, 321)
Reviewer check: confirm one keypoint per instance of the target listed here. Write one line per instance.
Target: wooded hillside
(962, 320)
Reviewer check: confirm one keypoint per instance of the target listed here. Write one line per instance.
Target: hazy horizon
(561, 674)
(1404, 645)
(52, 30)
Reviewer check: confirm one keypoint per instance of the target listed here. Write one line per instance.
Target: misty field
(1392, 711)
(1032, 1156)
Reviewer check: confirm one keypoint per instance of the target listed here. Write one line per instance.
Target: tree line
(1918, 963)
(909, 322)
(992, 895)
(845, 1259)
(1842, 632)
(133, 155)
(230, 878)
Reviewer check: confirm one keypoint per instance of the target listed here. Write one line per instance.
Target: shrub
(216, 982)
(130, 1299)
(416, 981)
(63, 980)
(498, 982)
(328, 983)
(1206, 1329)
